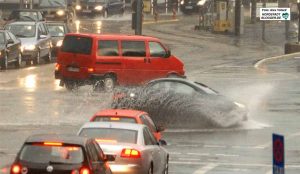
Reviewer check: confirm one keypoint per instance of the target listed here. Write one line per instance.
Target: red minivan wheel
(109, 83)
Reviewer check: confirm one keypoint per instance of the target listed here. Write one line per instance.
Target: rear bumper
(91, 78)
(126, 169)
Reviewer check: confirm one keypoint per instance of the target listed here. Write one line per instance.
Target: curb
(261, 62)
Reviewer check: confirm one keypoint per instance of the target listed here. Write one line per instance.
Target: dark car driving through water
(182, 103)
(58, 10)
(57, 154)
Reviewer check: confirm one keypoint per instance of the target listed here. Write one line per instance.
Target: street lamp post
(298, 4)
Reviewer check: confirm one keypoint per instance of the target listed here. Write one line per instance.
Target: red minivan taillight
(15, 169)
(130, 153)
(57, 67)
(84, 170)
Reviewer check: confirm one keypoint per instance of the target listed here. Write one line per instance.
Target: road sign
(278, 154)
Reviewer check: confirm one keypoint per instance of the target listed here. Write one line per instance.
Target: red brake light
(52, 144)
(15, 169)
(90, 69)
(130, 153)
(84, 170)
(57, 67)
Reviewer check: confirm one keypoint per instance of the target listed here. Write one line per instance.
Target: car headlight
(239, 105)
(28, 47)
(0, 53)
(99, 7)
(59, 43)
(78, 7)
(60, 12)
(181, 2)
(132, 95)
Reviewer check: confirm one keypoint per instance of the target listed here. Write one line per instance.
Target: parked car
(35, 39)
(109, 60)
(58, 10)
(25, 15)
(181, 103)
(135, 149)
(60, 154)
(100, 7)
(10, 49)
(128, 116)
(57, 31)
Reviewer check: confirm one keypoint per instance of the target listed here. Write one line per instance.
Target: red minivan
(108, 60)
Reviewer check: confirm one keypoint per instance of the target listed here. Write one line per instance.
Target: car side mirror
(168, 54)
(162, 142)
(43, 36)
(10, 41)
(110, 157)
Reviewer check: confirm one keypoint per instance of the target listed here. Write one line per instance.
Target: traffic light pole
(237, 17)
(139, 14)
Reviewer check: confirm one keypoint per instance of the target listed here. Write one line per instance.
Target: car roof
(114, 125)
(114, 36)
(171, 79)
(68, 139)
(24, 23)
(120, 113)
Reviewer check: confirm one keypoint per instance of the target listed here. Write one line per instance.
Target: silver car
(35, 39)
(135, 148)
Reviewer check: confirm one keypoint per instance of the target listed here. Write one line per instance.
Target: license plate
(73, 69)
(50, 16)
(87, 11)
(188, 7)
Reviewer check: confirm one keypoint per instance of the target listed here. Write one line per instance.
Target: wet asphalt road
(32, 102)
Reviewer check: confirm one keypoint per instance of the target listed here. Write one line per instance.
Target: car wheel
(28, 62)
(98, 85)
(36, 61)
(49, 57)
(166, 171)
(105, 14)
(122, 13)
(4, 63)
(71, 85)
(109, 83)
(18, 62)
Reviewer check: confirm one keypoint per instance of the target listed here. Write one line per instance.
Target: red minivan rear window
(77, 44)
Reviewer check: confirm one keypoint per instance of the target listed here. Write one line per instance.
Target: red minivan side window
(156, 50)
(108, 48)
(133, 49)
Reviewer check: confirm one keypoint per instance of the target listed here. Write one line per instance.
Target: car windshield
(39, 153)
(56, 30)
(114, 119)
(116, 135)
(52, 3)
(22, 30)
(2, 40)
(28, 16)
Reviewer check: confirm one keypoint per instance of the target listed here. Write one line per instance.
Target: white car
(135, 148)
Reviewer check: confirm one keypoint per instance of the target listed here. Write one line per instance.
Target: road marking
(199, 154)
(227, 155)
(296, 57)
(194, 162)
(175, 153)
(160, 21)
(189, 159)
(206, 168)
(187, 145)
(214, 146)
(269, 144)
(262, 61)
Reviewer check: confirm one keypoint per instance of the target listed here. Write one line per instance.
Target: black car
(58, 154)
(189, 6)
(181, 103)
(57, 31)
(25, 15)
(10, 49)
(57, 10)
(100, 7)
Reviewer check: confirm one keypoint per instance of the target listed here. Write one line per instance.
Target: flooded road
(33, 102)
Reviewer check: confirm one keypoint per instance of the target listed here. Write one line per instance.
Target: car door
(153, 149)
(16, 45)
(10, 48)
(134, 54)
(158, 64)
